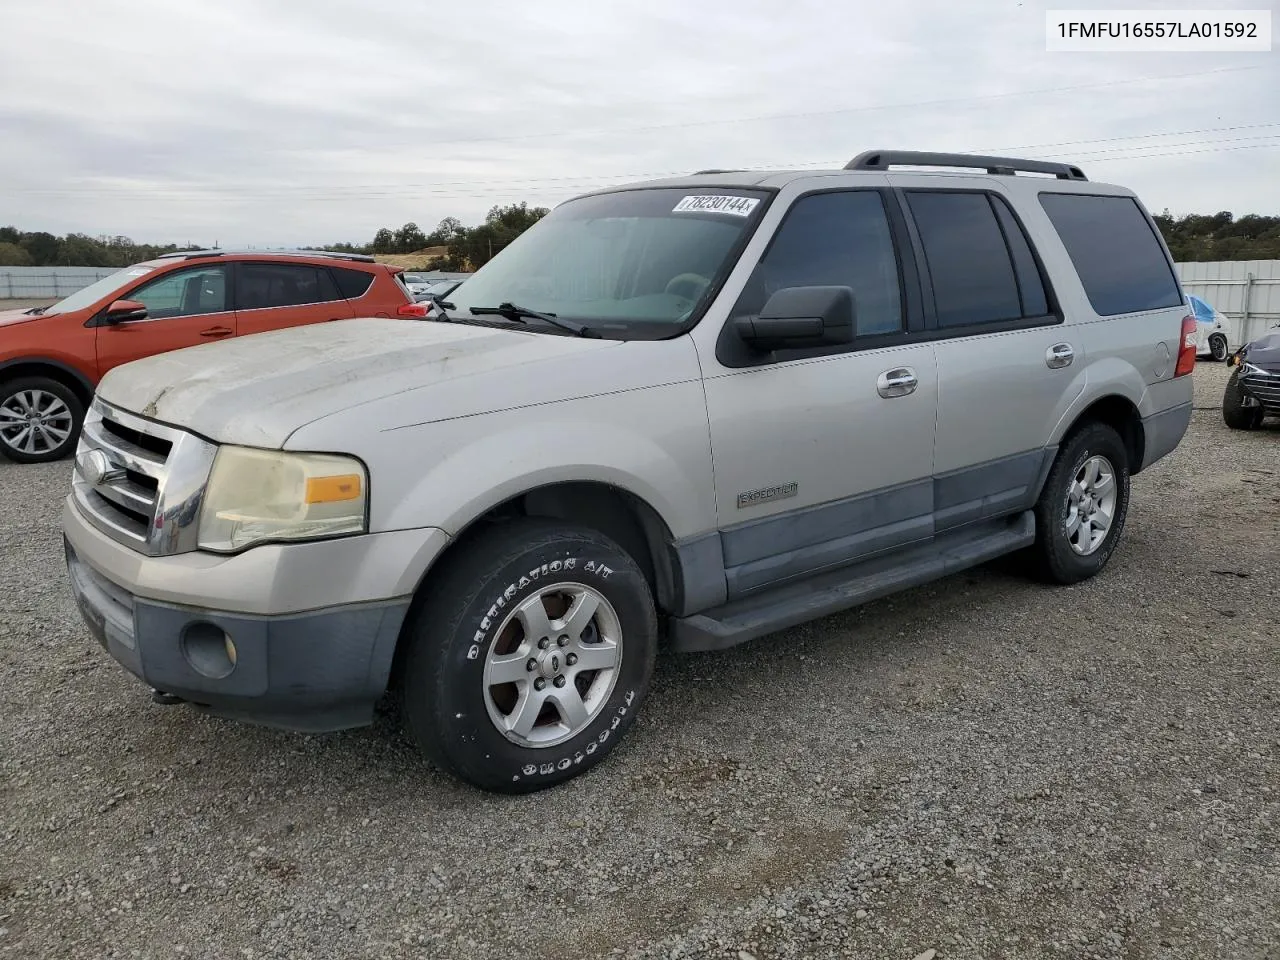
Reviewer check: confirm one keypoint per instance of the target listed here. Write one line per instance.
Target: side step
(826, 593)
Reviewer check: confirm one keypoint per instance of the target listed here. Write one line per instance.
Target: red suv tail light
(412, 310)
(1187, 352)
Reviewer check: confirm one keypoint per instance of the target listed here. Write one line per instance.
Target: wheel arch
(1121, 414)
(619, 514)
(56, 370)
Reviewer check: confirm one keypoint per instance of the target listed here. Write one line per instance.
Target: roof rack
(331, 254)
(1005, 166)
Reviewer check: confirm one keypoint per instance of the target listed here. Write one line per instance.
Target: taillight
(412, 310)
(1187, 352)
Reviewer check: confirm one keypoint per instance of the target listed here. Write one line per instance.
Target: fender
(1104, 377)
(484, 468)
(84, 383)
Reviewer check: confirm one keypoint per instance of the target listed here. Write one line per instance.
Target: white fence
(1246, 292)
(42, 283)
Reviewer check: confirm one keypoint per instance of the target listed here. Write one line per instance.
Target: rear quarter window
(353, 284)
(1115, 251)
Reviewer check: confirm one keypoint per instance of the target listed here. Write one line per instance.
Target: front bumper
(313, 625)
(1263, 385)
(317, 671)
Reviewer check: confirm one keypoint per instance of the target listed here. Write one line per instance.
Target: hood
(10, 317)
(257, 390)
(1265, 350)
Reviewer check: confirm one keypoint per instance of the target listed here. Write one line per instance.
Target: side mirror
(123, 311)
(798, 317)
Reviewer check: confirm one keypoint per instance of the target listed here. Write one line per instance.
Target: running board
(826, 593)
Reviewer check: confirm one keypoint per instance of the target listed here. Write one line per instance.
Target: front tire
(529, 656)
(1234, 413)
(40, 420)
(1218, 347)
(1082, 509)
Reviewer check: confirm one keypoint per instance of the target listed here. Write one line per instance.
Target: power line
(390, 190)
(949, 101)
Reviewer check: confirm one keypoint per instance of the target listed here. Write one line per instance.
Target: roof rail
(331, 254)
(701, 172)
(1006, 166)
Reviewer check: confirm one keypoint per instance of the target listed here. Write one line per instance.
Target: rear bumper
(1163, 432)
(315, 671)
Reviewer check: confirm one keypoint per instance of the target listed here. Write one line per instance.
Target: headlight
(258, 495)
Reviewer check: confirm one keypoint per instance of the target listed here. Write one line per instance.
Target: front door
(826, 459)
(185, 307)
(273, 295)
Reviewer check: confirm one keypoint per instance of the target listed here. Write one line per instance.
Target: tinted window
(352, 283)
(973, 277)
(262, 285)
(1035, 303)
(1115, 251)
(834, 239)
(185, 293)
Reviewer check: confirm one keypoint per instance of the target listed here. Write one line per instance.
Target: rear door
(1008, 368)
(185, 307)
(271, 295)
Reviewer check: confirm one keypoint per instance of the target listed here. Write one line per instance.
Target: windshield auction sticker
(737, 206)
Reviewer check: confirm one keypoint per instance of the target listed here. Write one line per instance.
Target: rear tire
(40, 420)
(1081, 513)
(1234, 413)
(479, 623)
(1218, 347)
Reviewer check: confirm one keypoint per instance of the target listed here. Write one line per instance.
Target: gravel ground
(7, 304)
(982, 768)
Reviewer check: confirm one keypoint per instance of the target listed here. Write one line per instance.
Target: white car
(1211, 330)
(416, 284)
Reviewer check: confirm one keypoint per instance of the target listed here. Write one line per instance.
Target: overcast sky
(280, 122)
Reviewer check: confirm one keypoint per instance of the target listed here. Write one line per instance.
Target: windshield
(88, 296)
(618, 261)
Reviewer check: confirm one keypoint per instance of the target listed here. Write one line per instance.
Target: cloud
(298, 122)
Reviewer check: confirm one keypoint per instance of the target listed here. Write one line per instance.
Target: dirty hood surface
(257, 390)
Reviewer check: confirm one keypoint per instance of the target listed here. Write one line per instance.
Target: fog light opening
(209, 650)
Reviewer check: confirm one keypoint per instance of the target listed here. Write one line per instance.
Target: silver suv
(693, 411)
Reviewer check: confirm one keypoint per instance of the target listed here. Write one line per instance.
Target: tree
(445, 231)
(43, 248)
(12, 255)
(410, 238)
(384, 241)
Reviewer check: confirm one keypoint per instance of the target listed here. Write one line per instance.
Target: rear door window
(974, 281)
(264, 285)
(1115, 250)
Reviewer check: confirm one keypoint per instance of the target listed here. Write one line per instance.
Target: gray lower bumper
(317, 671)
(1164, 431)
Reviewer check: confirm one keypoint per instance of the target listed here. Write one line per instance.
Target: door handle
(217, 332)
(896, 383)
(1059, 355)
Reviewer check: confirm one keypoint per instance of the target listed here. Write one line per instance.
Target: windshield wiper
(36, 311)
(511, 311)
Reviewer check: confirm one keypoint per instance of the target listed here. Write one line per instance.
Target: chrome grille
(140, 482)
(1264, 385)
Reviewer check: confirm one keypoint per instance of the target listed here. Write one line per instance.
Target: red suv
(51, 358)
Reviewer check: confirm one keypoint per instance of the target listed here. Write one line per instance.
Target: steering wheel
(694, 281)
